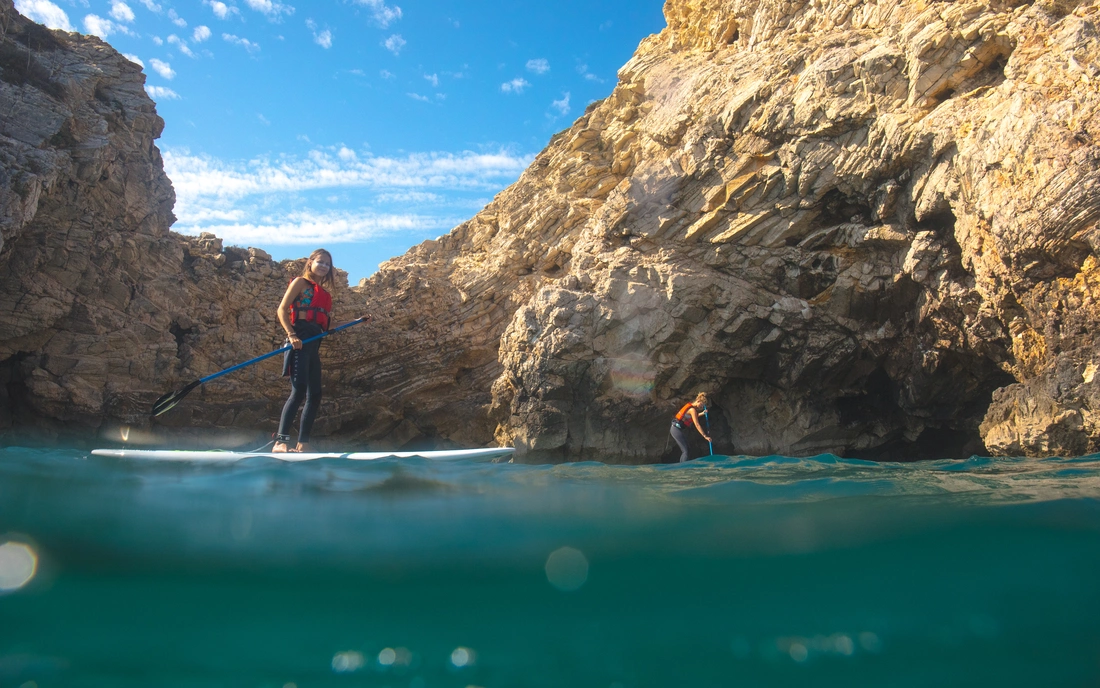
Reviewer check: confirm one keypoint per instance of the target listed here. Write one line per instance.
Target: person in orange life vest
(304, 312)
(689, 416)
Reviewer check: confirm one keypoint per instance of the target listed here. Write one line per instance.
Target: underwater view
(725, 571)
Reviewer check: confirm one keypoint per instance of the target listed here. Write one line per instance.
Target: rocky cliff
(868, 228)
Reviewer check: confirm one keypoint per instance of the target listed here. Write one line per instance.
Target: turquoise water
(722, 572)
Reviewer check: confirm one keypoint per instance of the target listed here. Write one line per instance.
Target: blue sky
(364, 126)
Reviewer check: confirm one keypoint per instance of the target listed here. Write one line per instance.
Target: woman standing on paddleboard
(304, 312)
(688, 416)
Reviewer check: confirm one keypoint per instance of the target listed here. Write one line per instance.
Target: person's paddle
(706, 417)
(172, 398)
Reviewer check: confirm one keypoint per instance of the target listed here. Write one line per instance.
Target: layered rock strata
(867, 228)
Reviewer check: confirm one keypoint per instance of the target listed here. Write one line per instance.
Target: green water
(730, 572)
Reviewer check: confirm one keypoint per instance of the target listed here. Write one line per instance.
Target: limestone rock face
(867, 228)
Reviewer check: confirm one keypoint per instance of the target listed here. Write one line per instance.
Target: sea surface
(726, 571)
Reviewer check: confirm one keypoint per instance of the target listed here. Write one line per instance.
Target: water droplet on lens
(567, 569)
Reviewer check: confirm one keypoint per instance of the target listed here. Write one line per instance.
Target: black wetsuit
(303, 366)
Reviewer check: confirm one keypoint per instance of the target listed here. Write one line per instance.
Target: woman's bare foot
(279, 448)
(302, 447)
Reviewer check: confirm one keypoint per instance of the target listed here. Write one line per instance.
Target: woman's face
(320, 266)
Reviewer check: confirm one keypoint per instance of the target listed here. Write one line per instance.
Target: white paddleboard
(491, 454)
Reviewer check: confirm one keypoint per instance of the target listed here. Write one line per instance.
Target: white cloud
(417, 96)
(158, 40)
(387, 74)
(44, 12)
(196, 177)
(162, 68)
(394, 43)
(220, 9)
(582, 69)
(151, 6)
(263, 120)
(243, 42)
(562, 106)
(327, 227)
(244, 202)
(538, 66)
(321, 38)
(121, 11)
(135, 59)
(161, 93)
(270, 8)
(201, 34)
(515, 85)
(98, 26)
(382, 13)
(433, 79)
(176, 19)
(181, 45)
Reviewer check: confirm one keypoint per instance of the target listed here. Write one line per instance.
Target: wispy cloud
(177, 20)
(181, 45)
(120, 11)
(272, 10)
(562, 106)
(417, 96)
(538, 66)
(321, 38)
(287, 200)
(582, 69)
(44, 12)
(432, 79)
(162, 68)
(515, 85)
(161, 93)
(151, 6)
(135, 59)
(387, 74)
(243, 42)
(394, 43)
(200, 34)
(311, 228)
(382, 13)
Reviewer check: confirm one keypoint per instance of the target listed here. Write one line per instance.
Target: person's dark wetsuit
(681, 422)
(303, 366)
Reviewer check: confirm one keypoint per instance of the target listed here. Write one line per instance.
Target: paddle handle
(276, 352)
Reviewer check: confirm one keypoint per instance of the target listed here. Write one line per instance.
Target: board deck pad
(490, 454)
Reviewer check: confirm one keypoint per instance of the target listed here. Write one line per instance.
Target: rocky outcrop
(868, 228)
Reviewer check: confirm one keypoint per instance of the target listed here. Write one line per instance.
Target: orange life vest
(683, 417)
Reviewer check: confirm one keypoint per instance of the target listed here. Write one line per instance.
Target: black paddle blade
(171, 399)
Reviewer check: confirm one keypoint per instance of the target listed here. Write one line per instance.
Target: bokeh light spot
(347, 662)
(567, 569)
(462, 657)
(18, 564)
(387, 656)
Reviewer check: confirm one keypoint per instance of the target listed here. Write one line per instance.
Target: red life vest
(313, 305)
(683, 416)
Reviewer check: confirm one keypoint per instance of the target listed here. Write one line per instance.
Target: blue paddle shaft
(706, 417)
(276, 352)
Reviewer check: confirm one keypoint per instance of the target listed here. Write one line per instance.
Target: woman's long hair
(701, 398)
(330, 277)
